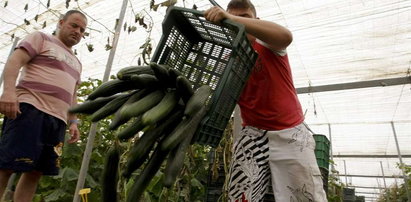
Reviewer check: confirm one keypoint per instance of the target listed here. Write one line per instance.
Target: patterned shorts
(285, 158)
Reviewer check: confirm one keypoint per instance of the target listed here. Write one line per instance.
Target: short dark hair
(70, 12)
(242, 4)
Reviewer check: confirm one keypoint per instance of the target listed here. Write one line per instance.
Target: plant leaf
(90, 47)
(70, 174)
(155, 7)
(115, 25)
(108, 47)
(142, 23)
(168, 3)
(56, 195)
(133, 28)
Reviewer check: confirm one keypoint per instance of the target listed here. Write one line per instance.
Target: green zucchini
(173, 74)
(132, 128)
(112, 87)
(126, 72)
(90, 106)
(184, 88)
(118, 119)
(175, 160)
(162, 109)
(143, 180)
(142, 105)
(197, 100)
(110, 175)
(183, 130)
(161, 72)
(145, 80)
(142, 147)
(110, 107)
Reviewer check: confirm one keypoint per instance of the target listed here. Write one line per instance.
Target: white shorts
(285, 158)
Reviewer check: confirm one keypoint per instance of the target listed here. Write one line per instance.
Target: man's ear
(59, 24)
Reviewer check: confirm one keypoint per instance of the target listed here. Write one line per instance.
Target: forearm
(71, 116)
(8, 100)
(73, 122)
(10, 74)
(275, 35)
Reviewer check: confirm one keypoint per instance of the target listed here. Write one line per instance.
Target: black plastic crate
(216, 55)
(348, 194)
(359, 198)
(324, 176)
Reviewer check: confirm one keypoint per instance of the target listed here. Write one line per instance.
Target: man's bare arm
(8, 100)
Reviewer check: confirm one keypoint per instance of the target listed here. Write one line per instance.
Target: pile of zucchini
(160, 105)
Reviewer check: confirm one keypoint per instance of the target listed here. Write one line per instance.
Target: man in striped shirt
(35, 110)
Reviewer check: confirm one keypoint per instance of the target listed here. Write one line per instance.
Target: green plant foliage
(335, 188)
(397, 193)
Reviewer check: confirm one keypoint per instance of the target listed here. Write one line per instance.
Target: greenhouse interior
(351, 66)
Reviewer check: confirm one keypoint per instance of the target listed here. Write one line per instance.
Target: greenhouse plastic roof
(335, 42)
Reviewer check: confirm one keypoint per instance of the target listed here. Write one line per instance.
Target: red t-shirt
(269, 100)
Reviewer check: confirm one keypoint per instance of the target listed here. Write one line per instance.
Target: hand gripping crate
(216, 55)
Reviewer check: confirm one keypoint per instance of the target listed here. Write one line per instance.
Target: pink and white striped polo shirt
(48, 81)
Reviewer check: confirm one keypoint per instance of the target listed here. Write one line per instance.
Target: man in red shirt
(274, 143)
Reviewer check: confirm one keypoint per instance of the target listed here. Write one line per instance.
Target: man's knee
(33, 175)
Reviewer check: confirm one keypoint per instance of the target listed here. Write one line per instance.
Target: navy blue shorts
(32, 142)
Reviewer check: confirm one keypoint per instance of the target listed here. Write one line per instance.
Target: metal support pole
(383, 175)
(85, 162)
(93, 129)
(115, 41)
(331, 147)
(332, 156)
(383, 178)
(402, 164)
(16, 40)
(345, 172)
(379, 185)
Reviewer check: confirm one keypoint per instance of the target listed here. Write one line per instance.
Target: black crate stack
(349, 195)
